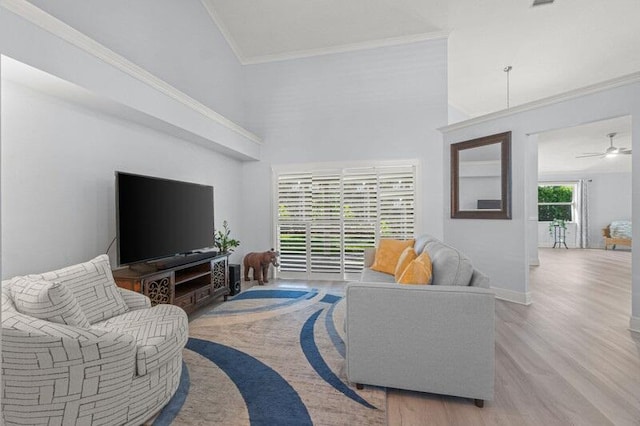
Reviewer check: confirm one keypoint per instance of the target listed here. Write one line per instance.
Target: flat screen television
(159, 218)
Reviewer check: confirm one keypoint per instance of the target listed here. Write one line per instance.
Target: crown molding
(372, 44)
(551, 100)
(211, 10)
(64, 31)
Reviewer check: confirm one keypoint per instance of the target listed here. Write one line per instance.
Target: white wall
(174, 40)
(612, 199)
(58, 163)
(609, 200)
(36, 38)
(531, 199)
(456, 115)
(501, 247)
(1, 158)
(546, 238)
(376, 104)
(68, 159)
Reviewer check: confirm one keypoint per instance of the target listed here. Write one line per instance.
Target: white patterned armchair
(78, 350)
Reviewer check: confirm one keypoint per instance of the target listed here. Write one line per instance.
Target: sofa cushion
(408, 255)
(478, 279)
(160, 333)
(46, 300)
(418, 272)
(388, 253)
(93, 286)
(620, 229)
(368, 275)
(450, 267)
(421, 242)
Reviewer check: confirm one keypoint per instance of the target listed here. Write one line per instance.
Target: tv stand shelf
(190, 285)
(191, 277)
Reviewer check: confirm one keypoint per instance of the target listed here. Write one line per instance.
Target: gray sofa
(435, 338)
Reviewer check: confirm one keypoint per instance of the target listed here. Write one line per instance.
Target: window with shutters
(326, 218)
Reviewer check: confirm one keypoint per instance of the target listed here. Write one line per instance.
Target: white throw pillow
(46, 300)
(93, 286)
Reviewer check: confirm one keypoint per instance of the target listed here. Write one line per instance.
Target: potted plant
(556, 223)
(557, 231)
(222, 241)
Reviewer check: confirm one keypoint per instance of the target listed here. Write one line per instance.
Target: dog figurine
(260, 263)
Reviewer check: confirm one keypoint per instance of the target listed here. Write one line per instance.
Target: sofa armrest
(437, 339)
(479, 279)
(134, 300)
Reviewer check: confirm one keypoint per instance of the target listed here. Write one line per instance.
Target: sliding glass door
(327, 217)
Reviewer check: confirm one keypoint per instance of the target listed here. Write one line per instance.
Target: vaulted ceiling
(552, 48)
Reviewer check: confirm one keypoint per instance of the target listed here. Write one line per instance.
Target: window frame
(573, 203)
(344, 170)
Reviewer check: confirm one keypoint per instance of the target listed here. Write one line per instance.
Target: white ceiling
(553, 48)
(557, 150)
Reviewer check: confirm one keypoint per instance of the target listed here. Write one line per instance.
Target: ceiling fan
(611, 151)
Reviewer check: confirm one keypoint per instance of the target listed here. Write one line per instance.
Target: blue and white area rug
(271, 356)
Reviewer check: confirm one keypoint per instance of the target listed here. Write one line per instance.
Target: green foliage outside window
(555, 194)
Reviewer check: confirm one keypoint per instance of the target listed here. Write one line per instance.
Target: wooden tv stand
(190, 286)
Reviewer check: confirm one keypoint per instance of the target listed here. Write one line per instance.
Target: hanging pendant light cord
(508, 69)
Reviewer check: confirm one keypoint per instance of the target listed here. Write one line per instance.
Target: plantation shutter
(293, 247)
(326, 218)
(360, 212)
(397, 198)
(326, 241)
(294, 211)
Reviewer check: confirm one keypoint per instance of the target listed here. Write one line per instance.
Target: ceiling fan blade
(611, 150)
(590, 154)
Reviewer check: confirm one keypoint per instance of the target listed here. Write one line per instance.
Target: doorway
(584, 182)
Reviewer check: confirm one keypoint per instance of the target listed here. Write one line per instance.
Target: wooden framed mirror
(481, 178)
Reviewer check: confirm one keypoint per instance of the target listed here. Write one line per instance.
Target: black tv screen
(159, 218)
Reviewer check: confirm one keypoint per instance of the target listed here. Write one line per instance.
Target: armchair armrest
(63, 373)
(134, 300)
(437, 339)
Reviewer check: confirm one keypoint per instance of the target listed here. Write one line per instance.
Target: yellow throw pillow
(419, 271)
(388, 253)
(407, 256)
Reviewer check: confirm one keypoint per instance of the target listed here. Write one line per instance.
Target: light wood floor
(567, 359)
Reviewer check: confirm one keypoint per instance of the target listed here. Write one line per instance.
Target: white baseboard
(534, 262)
(512, 296)
(634, 324)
